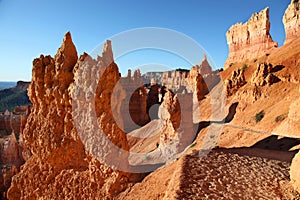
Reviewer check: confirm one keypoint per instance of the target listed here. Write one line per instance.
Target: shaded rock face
(295, 172)
(250, 40)
(291, 21)
(263, 75)
(60, 166)
(133, 107)
(236, 81)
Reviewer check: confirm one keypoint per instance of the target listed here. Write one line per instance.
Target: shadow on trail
(230, 116)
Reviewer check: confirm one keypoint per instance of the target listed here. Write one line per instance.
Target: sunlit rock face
(291, 21)
(61, 167)
(250, 40)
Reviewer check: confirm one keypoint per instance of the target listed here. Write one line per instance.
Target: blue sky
(30, 28)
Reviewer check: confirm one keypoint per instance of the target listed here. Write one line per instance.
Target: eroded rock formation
(291, 21)
(133, 101)
(197, 84)
(175, 80)
(170, 115)
(236, 81)
(263, 75)
(251, 39)
(60, 166)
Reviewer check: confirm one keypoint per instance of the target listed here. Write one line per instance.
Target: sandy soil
(222, 174)
(226, 175)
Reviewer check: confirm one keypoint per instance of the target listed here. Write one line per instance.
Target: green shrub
(244, 67)
(259, 116)
(146, 157)
(192, 145)
(281, 117)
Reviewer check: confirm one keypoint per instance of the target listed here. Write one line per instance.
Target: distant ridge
(6, 85)
(14, 96)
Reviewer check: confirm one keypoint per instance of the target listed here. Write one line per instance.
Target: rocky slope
(222, 174)
(60, 166)
(268, 99)
(250, 40)
(132, 98)
(261, 130)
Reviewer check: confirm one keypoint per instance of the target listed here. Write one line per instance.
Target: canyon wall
(175, 80)
(60, 166)
(14, 121)
(250, 40)
(133, 102)
(291, 21)
(199, 80)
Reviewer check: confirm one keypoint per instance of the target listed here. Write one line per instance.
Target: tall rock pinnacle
(291, 21)
(250, 40)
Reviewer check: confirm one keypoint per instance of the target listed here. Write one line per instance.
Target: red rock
(236, 81)
(11, 159)
(250, 40)
(60, 166)
(204, 67)
(133, 107)
(291, 21)
(197, 84)
(263, 75)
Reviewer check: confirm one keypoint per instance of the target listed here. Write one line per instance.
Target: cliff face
(133, 111)
(175, 80)
(291, 21)
(60, 166)
(250, 40)
(199, 80)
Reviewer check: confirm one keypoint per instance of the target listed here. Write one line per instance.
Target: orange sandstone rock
(251, 39)
(60, 166)
(291, 21)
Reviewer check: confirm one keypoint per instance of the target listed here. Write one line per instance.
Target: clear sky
(30, 28)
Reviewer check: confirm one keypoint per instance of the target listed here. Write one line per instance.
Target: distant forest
(13, 96)
(5, 85)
